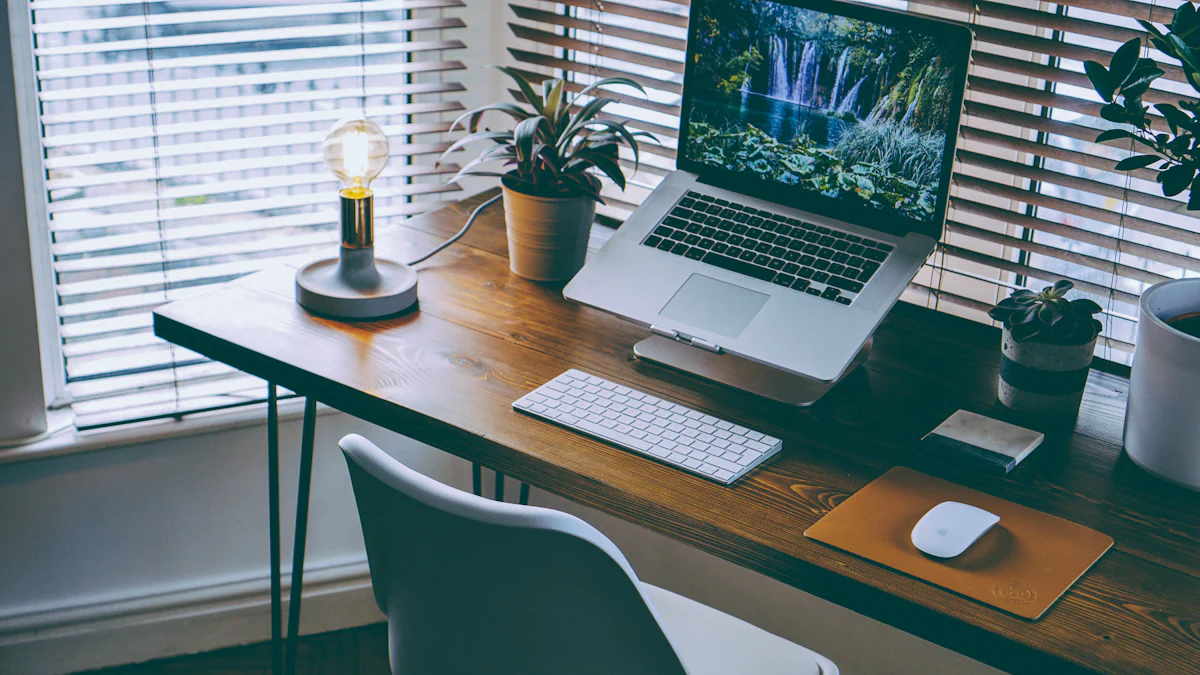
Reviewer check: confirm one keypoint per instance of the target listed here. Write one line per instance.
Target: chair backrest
(474, 586)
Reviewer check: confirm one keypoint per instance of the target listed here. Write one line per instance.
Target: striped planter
(1043, 378)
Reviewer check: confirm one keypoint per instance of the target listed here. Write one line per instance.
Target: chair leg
(273, 498)
(306, 459)
(476, 479)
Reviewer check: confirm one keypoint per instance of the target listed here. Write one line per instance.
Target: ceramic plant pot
(1162, 427)
(1043, 378)
(547, 236)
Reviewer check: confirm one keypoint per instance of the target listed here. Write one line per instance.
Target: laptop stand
(740, 373)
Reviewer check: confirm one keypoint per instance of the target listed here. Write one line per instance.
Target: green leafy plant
(1127, 78)
(558, 145)
(1049, 315)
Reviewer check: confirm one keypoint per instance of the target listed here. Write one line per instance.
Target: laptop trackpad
(716, 306)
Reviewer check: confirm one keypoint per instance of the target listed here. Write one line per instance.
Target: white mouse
(950, 528)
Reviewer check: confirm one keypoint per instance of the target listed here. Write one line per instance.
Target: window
(1034, 199)
(182, 148)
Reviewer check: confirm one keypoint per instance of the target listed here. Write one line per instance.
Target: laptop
(816, 144)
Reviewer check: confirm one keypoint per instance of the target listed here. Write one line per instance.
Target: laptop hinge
(699, 343)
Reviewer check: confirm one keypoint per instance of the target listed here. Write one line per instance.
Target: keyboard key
(797, 245)
(697, 195)
(693, 227)
(826, 241)
(812, 237)
(835, 268)
(855, 261)
(680, 248)
(869, 243)
(875, 254)
(783, 279)
(754, 233)
(721, 235)
(841, 245)
(807, 260)
(778, 251)
(680, 212)
(846, 284)
(675, 222)
(840, 257)
(826, 253)
(720, 247)
(791, 268)
(821, 277)
(884, 247)
(800, 284)
(721, 202)
(735, 265)
(747, 255)
(708, 232)
(812, 249)
(762, 259)
(842, 300)
(692, 239)
(812, 291)
(831, 293)
(783, 241)
(706, 243)
(663, 231)
(824, 230)
(678, 235)
(736, 239)
(695, 253)
(653, 241)
(762, 247)
(807, 272)
(740, 229)
(791, 256)
(666, 245)
(727, 213)
(865, 275)
(853, 238)
(822, 264)
(775, 264)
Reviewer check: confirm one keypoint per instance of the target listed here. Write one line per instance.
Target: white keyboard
(635, 420)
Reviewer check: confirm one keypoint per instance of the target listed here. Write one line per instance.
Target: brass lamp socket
(358, 218)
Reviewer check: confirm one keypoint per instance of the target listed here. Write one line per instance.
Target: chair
(472, 586)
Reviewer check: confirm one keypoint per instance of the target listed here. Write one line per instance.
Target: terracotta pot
(1162, 429)
(1043, 378)
(547, 236)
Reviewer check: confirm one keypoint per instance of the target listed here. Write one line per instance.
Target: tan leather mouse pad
(1021, 566)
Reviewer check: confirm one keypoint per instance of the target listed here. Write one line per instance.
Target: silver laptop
(815, 150)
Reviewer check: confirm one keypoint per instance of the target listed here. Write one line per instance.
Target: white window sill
(70, 440)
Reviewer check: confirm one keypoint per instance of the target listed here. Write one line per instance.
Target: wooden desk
(447, 375)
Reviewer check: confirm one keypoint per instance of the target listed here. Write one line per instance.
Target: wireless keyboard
(651, 426)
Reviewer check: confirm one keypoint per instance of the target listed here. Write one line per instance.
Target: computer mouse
(950, 528)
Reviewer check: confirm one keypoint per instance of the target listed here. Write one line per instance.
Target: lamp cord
(470, 220)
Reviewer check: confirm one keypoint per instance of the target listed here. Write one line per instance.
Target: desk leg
(498, 489)
(476, 479)
(273, 497)
(306, 459)
(524, 499)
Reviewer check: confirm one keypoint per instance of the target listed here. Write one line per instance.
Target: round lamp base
(323, 289)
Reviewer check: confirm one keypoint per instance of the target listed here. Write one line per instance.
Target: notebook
(983, 442)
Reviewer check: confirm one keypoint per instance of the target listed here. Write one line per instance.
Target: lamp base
(335, 289)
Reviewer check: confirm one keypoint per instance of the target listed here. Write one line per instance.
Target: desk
(447, 376)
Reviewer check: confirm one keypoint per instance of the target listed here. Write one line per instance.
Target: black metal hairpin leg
(498, 491)
(306, 459)
(524, 494)
(476, 479)
(273, 497)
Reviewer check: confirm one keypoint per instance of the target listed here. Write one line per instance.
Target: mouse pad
(1021, 566)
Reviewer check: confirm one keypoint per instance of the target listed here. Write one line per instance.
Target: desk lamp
(355, 285)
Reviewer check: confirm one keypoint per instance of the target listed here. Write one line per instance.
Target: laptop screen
(846, 107)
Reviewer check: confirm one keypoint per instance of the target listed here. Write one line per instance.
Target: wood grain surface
(447, 374)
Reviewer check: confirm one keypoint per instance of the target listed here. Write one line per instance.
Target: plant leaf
(1049, 314)
(1113, 134)
(1101, 82)
(1176, 179)
(585, 115)
(1124, 60)
(1086, 307)
(1137, 162)
(1024, 331)
(511, 109)
(606, 164)
(527, 90)
(608, 81)
(481, 136)
(1061, 286)
(1182, 51)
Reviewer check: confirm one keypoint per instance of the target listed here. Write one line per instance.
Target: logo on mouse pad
(1014, 592)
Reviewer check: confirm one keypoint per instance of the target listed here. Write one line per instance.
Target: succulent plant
(558, 146)
(1049, 315)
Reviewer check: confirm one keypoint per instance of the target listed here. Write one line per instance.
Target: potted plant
(555, 152)
(1047, 349)
(1162, 430)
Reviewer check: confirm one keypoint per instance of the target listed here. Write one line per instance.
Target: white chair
(472, 586)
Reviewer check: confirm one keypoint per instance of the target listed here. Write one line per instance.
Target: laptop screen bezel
(893, 223)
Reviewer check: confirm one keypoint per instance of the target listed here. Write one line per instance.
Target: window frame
(36, 290)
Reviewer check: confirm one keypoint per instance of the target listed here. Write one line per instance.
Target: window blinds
(182, 148)
(1033, 200)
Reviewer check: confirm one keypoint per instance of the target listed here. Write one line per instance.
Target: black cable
(440, 247)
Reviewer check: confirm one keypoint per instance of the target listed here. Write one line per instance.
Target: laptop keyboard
(813, 259)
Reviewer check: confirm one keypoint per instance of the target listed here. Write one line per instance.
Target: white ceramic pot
(547, 236)
(1162, 421)
(1042, 378)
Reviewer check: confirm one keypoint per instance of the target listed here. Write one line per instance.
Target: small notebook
(982, 441)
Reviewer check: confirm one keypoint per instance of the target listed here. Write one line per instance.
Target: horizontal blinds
(1033, 200)
(182, 148)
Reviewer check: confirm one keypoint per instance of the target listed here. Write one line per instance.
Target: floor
(358, 651)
